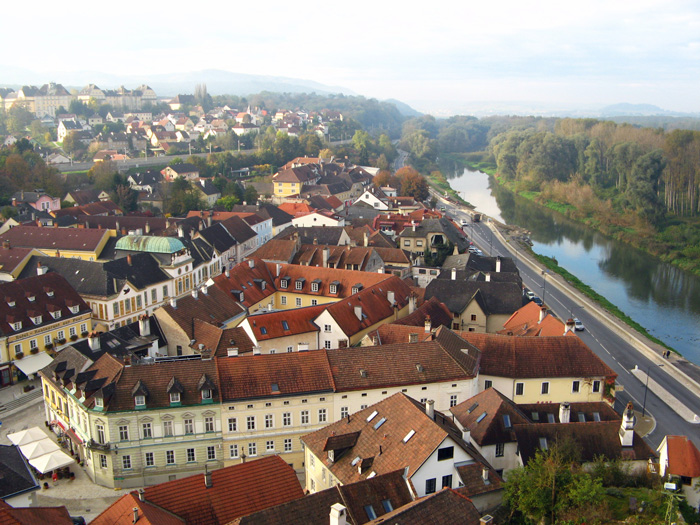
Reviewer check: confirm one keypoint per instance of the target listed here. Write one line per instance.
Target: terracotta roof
(314, 508)
(473, 480)
(283, 374)
(591, 439)
(683, 457)
(432, 309)
(483, 415)
(276, 250)
(271, 325)
(34, 297)
(530, 357)
(391, 334)
(252, 277)
(236, 491)
(526, 322)
(51, 240)
(299, 174)
(296, 209)
(219, 340)
(34, 515)
(402, 414)
(446, 507)
(121, 512)
(11, 258)
(578, 412)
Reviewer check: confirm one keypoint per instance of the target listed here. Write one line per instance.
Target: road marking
(665, 396)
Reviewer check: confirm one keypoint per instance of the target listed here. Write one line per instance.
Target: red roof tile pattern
(473, 480)
(531, 357)
(218, 340)
(391, 334)
(236, 491)
(526, 322)
(432, 309)
(50, 240)
(121, 512)
(296, 209)
(34, 515)
(271, 325)
(578, 412)
(446, 507)
(252, 277)
(283, 374)
(683, 457)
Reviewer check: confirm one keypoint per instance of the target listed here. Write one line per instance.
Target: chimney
(148, 228)
(487, 277)
(251, 263)
(543, 314)
(195, 293)
(498, 263)
(413, 226)
(256, 350)
(486, 519)
(128, 259)
(325, 254)
(279, 267)
(564, 412)
(427, 324)
(430, 409)
(117, 227)
(173, 302)
(570, 326)
(144, 325)
(316, 240)
(358, 312)
(227, 273)
(94, 341)
(41, 270)
(207, 480)
(136, 514)
(180, 232)
(466, 436)
(391, 297)
(411, 303)
(627, 427)
(142, 495)
(485, 475)
(6, 245)
(454, 274)
(338, 515)
(365, 237)
(205, 289)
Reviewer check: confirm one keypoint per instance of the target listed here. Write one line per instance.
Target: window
(47, 339)
(312, 462)
(115, 309)
(126, 462)
(61, 334)
(430, 486)
(103, 461)
(299, 284)
(270, 445)
(100, 434)
(233, 451)
(18, 348)
(140, 401)
(519, 388)
(283, 283)
(175, 397)
(211, 453)
(298, 301)
(304, 417)
(283, 300)
(407, 244)
(269, 422)
(290, 349)
(333, 288)
(206, 394)
(232, 424)
(138, 302)
(575, 386)
(252, 449)
(168, 429)
(388, 507)
(32, 344)
(419, 243)
(191, 456)
(208, 424)
(453, 400)
(343, 412)
(147, 431)
(314, 302)
(189, 426)
(447, 481)
(322, 417)
(488, 384)
(314, 286)
(127, 305)
(445, 453)
(154, 295)
(169, 457)
(545, 388)
(370, 512)
(83, 328)
(287, 444)
(287, 419)
(596, 386)
(165, 291)
(150, 462)
(327, 345)
(250, 422)
(123, 433)
(500, 447)
(473, 317)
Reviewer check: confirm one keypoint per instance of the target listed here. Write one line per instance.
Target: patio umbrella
(38, 448)
(24, 437)
(51, 461)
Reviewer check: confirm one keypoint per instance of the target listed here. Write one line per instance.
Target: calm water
(660, 297)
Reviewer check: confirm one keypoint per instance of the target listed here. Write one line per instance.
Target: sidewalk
(13, 398)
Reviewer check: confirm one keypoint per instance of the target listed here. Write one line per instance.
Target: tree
(18, 118)
(70, 143)
(413, 184)
(124, 197)
(104, 176)
(250, 195)
(361, 142)
(227, 202)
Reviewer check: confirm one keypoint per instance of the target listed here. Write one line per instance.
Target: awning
(74, 437)
(31, 364)
(57, 422)
(51, 461)
(24, 437)
(38, 448)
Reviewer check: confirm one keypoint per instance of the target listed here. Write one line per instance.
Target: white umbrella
(24, 437)
(51, 461)
(39, 448)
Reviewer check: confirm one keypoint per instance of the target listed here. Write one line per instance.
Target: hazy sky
(430, 54)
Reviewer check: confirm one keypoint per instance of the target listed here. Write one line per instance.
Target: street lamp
(646, 387)
(544, 284)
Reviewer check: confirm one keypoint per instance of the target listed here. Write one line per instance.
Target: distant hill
(404, 109)
(639, 110)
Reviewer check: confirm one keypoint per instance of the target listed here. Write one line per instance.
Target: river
(662, 298)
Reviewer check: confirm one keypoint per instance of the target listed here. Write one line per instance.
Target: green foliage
(227, 202)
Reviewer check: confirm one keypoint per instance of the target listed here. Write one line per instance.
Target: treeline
(23, 169)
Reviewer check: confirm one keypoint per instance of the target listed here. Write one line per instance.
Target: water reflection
(661, 297)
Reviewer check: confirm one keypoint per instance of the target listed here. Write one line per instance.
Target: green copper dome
(149, 243)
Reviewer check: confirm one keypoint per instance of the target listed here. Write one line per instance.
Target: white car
(463, 222)
(578, 325)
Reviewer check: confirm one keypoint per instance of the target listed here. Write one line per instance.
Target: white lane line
(665, 396)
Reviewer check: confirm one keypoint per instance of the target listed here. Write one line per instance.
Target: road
(616, 352)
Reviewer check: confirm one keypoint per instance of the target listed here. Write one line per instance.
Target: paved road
(616, 352)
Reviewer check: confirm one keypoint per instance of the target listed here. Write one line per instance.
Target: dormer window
(10, 302)
(315, 285)
(139, 401)
(74, 309)
(36, 319)
(334, 287)
(56, 314)
(174, 397)
(49, 292)
(206, 394)
(299, 284)
(31, 297)
(17, 326)
(284, 282)
(356, 288)
(99, 403)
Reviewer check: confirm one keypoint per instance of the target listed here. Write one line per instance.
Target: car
(478, 251)
(463, 222)
(529, 294)
(537, 301)
(578, 325)
(442, 208)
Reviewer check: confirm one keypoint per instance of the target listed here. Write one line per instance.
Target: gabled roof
(314, 509)
(277, 250)
(525, 322)
(51, 240)
(483, 415)
(272, 325)
(11, 258)
(473, 482)
(183, 168)
(252, 278)
(121, 512)
(238, 229)
(33, 515)
(446, 507)
(389, 334)
(329, 235)
(534, 357)
(494, 297)
(15, 474)
(235, 491)
(433, 310)
(683, 457)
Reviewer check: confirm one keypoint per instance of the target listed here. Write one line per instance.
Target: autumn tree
(413, 184)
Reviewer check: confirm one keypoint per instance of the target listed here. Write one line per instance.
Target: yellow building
(73, 243)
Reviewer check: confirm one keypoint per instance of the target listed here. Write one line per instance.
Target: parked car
(529, 294)
(537, 301)
(578, 325)
(463, 222)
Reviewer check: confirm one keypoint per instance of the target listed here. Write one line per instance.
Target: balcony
(94, 445)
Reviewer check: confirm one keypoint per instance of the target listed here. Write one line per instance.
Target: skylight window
(596, 416)
(356, 460)
(550, 418)
(535, 416)
(371, 416)
(543, 443)
(285, 325)
(379, 423)
(506, 420)
(581, 417)
(481, 417)
(410, 434)
(263, 330)
(472, 408)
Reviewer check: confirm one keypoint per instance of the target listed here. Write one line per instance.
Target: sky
(437, 56)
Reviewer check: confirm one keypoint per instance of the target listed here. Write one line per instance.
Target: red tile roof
(271, 325)
(11, 258)
(446, 507)
(236, 491)
(526, 322)
(530, 357)
(121, 512)
(432, 309)
(252, 277)
(296, 209)
(34, 515)
(683, 457)
(473, 481)
(50, 240)
(391, 334)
